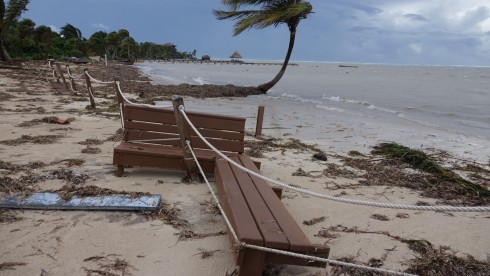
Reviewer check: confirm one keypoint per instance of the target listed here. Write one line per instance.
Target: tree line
(23, 40)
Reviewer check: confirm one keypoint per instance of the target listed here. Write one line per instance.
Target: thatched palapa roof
(236, 54)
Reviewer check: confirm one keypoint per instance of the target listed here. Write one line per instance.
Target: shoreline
(77, 242)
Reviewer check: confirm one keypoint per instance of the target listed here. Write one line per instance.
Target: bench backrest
(157, 125)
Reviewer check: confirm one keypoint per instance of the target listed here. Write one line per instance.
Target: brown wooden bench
(260, 218)
(151, 138)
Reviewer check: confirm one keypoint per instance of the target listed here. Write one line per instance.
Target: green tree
(268, 13)
(69, 31)
(43, 36)
(97, 44)
(9, 14)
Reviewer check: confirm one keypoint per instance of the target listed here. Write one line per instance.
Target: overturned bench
(152, 138)
(260, 218)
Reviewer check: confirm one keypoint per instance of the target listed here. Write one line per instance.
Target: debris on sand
(41, 139)
(10, 265)
(110, 265)
(422, 162)
(314, 221)
(8, 217)
(91, 150)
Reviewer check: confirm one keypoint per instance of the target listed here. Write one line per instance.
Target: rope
(71, 86)
(90, 93)
(70, 75)
(276, 251)
(122, 115)
(118, 86)
(42, 71)
(333, 198)
(96, 80)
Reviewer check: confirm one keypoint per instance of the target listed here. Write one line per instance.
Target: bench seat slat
(153, 137)
(297, 239)
(232, 200)
(222, 145)
(147, 126)
(266, 223)
(219, 123)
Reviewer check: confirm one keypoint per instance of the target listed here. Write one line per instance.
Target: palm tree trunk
(4, 56)
(268, 85)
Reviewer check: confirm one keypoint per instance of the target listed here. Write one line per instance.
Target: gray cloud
(415, 17)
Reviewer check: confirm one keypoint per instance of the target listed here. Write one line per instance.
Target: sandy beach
(187, 235)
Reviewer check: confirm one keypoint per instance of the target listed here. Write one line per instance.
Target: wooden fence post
(72, 80)
(185, 135)
(119, 97)
(55, 74)
(62, 76)
(89, 89)
(260, 121)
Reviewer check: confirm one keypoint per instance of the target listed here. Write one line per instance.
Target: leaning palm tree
(8, 16)
(269, 13)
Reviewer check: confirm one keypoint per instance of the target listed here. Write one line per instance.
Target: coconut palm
(8, 16)
(268, 13)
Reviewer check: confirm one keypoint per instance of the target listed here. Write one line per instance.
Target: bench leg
(278, 192)
(253, 263)
(120, 170)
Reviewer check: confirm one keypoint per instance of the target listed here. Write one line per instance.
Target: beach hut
(235, 57)
(206, 58)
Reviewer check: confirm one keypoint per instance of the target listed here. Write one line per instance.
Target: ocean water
(346, 108)
(456, 99)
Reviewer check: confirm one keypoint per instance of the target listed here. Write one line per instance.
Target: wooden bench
(260, 218)
(151, 138)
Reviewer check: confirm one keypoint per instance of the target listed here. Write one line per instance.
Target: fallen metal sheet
(55, 202)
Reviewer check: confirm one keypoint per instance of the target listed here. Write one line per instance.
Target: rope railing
(282, 252)
(329, 197)
(96, 80)
(118, 86)
(68, 70)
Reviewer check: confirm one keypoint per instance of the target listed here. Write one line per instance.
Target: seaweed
(10, 265)
(41, 139)
(314, 221)
(6, 216)
(421, 161)
(67, 192)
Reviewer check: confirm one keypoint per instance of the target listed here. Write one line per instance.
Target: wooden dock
(198, 61)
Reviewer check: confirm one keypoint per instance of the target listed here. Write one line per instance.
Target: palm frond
(272, 13)
(13, 12)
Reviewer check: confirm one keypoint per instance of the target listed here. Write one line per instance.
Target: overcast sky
(430, 32)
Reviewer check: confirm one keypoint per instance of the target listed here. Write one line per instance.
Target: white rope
(122, 115)
(71, 86)
(333, 198)
(96, 80)
(118, 86)
(71, 76)
(42, 71)
(282, 252)
(90, 93)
